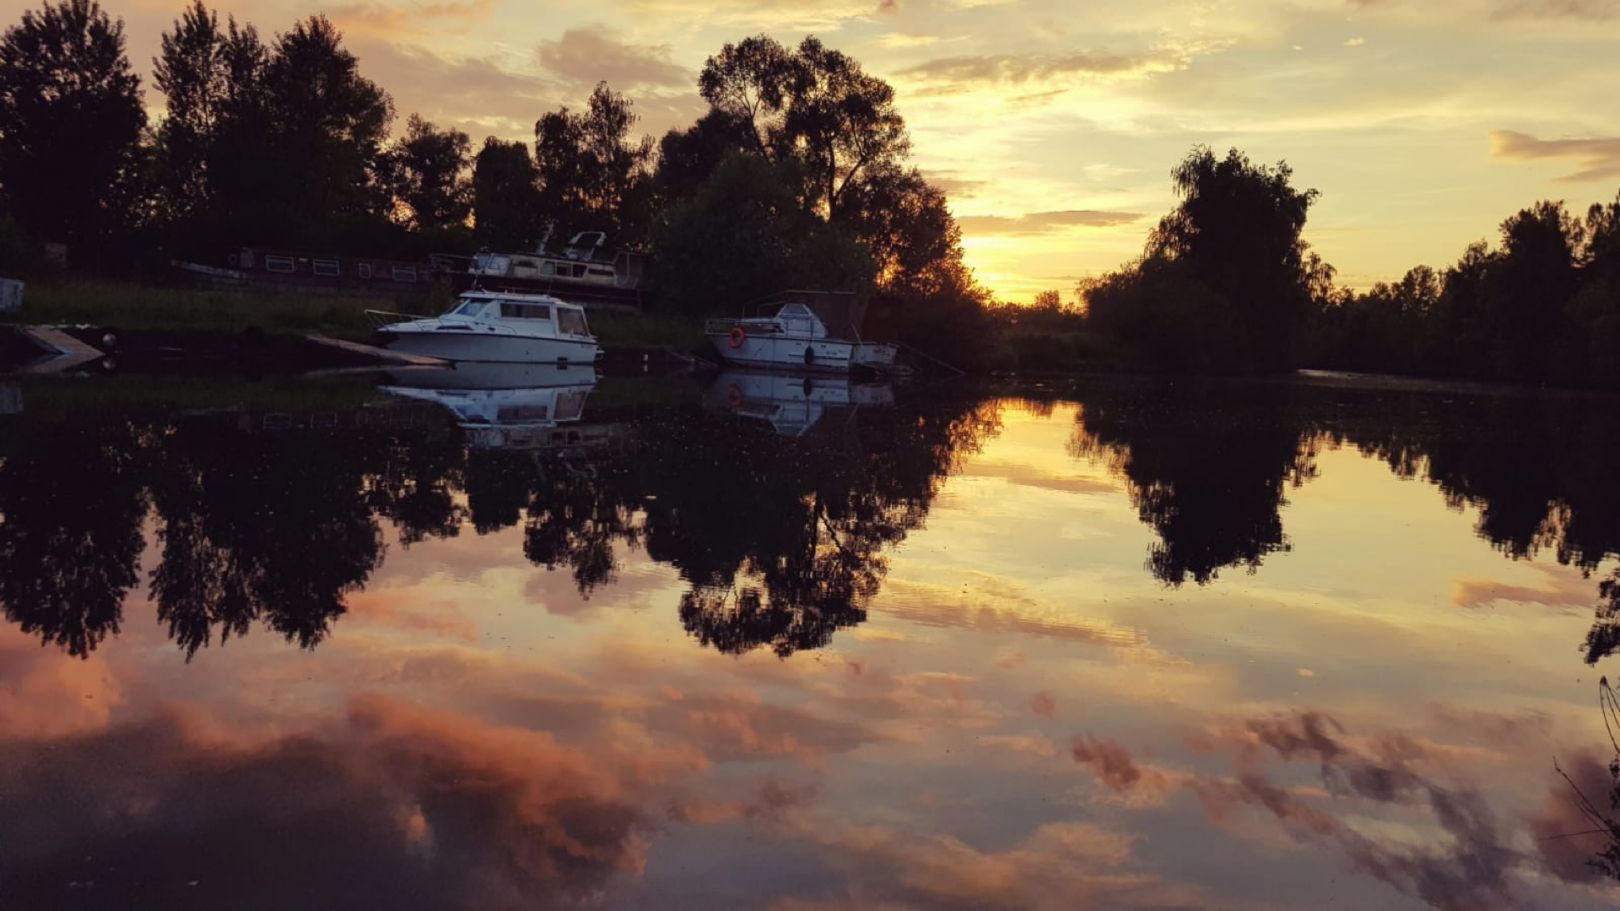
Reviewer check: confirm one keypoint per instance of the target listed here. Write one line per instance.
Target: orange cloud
(1564, 589)
(585, 56)
(956, 73)
(1598, 158)
(381, 20)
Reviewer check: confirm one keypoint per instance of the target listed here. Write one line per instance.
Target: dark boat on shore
(584, 272)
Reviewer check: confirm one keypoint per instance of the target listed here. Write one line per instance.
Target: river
(761, 642)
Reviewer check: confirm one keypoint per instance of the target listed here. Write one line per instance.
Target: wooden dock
(69, 351)
(381, 354)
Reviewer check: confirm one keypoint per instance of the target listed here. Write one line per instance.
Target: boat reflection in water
(506, 406)
(793, 403)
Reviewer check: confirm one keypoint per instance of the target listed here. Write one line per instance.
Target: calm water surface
(522, 642)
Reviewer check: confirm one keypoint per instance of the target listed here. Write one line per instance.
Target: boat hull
(491, 348)
(786, 353)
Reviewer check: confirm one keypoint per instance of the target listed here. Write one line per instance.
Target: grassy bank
(625, 330)
(132, 307)
(136, 307)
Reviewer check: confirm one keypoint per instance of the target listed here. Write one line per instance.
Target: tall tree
(593, 176)
(192, 74)
(813, 103)
(505, 197)
(687, 157)
(243, 171)
(750, 82)
(907, 223)
(1226, 281)
(843, 120)
(747, 233)
(1534, 276)
(428, 171)
(329, 125)
(214, 127)
(70, 123)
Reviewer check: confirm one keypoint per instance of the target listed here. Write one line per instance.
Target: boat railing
(381, 318)
(751, 325)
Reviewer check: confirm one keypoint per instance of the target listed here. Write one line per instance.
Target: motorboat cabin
(496, 327)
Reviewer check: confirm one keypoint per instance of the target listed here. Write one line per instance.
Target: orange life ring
(734, 396)
(738, 336)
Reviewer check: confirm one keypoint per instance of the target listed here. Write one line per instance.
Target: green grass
(624, 330)
(134, 307)
(138, 307)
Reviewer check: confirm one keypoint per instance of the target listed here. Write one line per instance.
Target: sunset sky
(1053, 125)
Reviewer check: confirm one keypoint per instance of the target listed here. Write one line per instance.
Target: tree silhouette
(70, 120)
(1544, 306)
(329, 124)
(428, 174)
(592, 175)
(746, 234)
(1208, 470)
(843, 121)
(750, 83)
(259, 528)
(687, 157)
(1226, 282)
(505, 197)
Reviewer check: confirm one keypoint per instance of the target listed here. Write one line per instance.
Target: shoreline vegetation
(131, 306)
(799, 174)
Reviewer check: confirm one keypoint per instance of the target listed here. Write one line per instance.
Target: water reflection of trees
(780, 541)
(253, 526)
(71, 503)
(1208, 468)
(1207, 471)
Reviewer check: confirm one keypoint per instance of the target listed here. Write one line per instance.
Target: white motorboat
(498, 327)
(808, 331)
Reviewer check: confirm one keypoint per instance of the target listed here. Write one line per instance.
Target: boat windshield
(571, 321)
(470, 308)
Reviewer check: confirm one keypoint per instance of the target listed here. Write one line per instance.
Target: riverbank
(133, 308)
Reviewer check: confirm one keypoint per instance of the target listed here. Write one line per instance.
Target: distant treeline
(798, 175)
(1544, 307)
(1228, 285)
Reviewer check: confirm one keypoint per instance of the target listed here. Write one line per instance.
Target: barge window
(404, 273)
(278, 264)
(363, 270)
(491, 264)
(327, 267)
